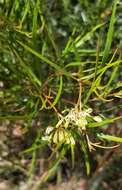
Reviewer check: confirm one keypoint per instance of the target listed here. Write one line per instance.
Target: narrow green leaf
(110, 138)
(110, 34)
(32, 148)
(52, 169)
(69, 42)
(27, 7)
(58, 93)
(107, 87)
(43, 103)
(35, 21)
(46, 60)
(28, 70)
(104, 122)
(27, 34)
(82, 40)
(87, 163)
(33, 160)
(32, 164)
(73, 64)
(96, 82)
(16, 5)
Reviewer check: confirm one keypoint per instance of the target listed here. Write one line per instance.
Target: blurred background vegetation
(63, 32)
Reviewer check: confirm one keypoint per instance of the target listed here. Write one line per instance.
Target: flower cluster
(62, 132)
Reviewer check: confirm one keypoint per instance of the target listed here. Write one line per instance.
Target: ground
(107, 172)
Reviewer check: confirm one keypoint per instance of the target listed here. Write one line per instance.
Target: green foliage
(110, 34)
(51, 54)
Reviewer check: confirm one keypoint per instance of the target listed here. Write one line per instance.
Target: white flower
(82, 122)
(49, 130)
(89, 110)
(97, 118)
(46, 138)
